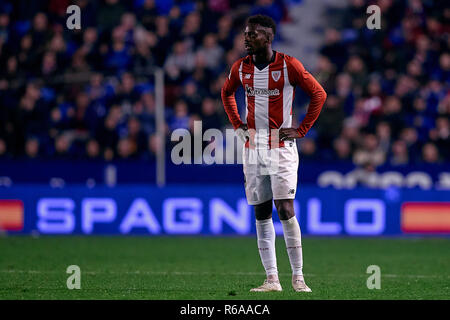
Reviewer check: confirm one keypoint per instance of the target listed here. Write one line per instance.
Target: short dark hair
(264, 21)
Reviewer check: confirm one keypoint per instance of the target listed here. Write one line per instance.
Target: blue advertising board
(211, 210)
(15, 172)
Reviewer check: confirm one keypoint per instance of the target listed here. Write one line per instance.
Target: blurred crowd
(388, 89)
(90, 93)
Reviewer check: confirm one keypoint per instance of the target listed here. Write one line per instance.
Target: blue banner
(216, 210)
(134, 172)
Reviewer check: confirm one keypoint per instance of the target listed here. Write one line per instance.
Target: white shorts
(270, 173)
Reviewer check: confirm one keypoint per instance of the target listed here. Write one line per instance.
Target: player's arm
(302, 78)
(228, 96)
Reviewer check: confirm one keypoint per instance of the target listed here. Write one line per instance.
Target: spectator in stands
(344, 84)
(93, 86)
(98, 91)
(430, 154)
(369, 151)
(391, 112)
(93, 150)
(126, 93)
(81, 117)
(49, 66)
(334, 49)
(182, 58)
(269, 8)
(342, 149)
(225, 32)
(78, 65)
(107, 134)
(136, 135)
(308, 149)
(399, 155)
(356, 68)
(62, 145)
(325, 74)
(154, 144)
(165, 39)
(144, 59)
(4, 27)
(12, 71)
(180, 117)
(329, 124)
(350, 132)
(109, 14)
(210, 52)
(90, 47)
(410, 136)
(40, 33)
(128, 24)
(440, 136)
(119, 56)
(383, 132)
(3, 149)
(126, 148)
(421, 118)
(210, 116)
(192, 95)
(144, 110)
(191, 32)
(147, 14)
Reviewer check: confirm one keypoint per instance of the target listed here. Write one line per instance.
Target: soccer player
(270, 158)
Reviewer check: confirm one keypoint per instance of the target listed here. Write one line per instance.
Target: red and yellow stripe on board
(11, 215)
(425, 217)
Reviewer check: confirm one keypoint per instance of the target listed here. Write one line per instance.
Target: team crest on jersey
(276, 75)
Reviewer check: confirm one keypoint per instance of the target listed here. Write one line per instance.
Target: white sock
(265, 233)
(293, 239)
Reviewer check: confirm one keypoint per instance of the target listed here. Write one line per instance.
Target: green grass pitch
(219, 268)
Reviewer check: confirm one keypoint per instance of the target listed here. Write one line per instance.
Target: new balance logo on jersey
(261, 92)
(248, 76)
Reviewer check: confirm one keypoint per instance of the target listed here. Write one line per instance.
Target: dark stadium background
(85, 149)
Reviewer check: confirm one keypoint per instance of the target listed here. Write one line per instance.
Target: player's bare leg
(292, 237)
(266, 244)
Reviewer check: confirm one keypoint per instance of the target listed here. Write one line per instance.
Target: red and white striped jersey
(269, 94)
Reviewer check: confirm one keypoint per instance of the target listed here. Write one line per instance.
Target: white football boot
(267, 287)
(300, 286)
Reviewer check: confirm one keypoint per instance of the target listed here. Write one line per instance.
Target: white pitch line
(190, 273)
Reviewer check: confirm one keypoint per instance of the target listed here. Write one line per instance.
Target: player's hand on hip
(288, 134)
(242, 132)
(243, 127)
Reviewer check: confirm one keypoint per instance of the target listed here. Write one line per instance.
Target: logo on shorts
(292, 191)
